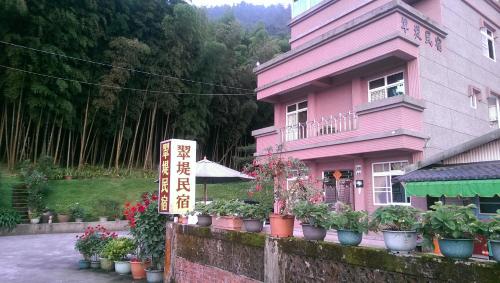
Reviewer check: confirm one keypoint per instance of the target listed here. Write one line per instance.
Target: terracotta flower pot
(62, 218)
(227, 222)
(281, 225)
(183, 219)
(68, 177)
(138, 271)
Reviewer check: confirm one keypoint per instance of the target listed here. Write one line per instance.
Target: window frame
(389, 189)
(385, 86)
(473, 101)
(488, 37)
(479, 206)
(296, 111)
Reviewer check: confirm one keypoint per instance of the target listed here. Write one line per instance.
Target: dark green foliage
(316, 214)
(226, 207)
(492, 229)
(9, 219)
(395, 218)
(118, 249)
(347, 219)
(254, 211)
(450, 222)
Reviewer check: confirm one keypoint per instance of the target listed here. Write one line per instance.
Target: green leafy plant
(77, 211)
(202, 209)
(92, 242)
(395, 218)
(226, 207)
(149, 230)
(347, 219)
(9, 219)
(317, 215)
(63, 209)
(450, 222)
(254, 211)
(117, 249)
(492, 229)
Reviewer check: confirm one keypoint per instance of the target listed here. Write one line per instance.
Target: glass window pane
(398, 165)
(381, 197)
(381, 181)
(394, 78)
(303, 105)
(490, 49)
(395, 91)
(398, 193)
(291, 119)
(291, 108)
(376, 83)
(303, 117)
(489, 207)
(378, 168)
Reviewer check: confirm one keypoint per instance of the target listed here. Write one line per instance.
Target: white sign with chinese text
(177, 182)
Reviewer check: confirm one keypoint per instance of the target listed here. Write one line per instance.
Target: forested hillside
(274, 17)
(103, 82)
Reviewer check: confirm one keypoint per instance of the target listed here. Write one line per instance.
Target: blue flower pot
(83, 264)
(495, 249)
(456, 248)
(349, 238)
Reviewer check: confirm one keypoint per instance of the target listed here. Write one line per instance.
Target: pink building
(371, 86)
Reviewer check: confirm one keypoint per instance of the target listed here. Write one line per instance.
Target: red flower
(258, 187)
(141, 209)
(127, 204)
(154, 197)
(250, 194)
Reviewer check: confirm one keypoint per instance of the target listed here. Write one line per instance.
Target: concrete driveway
(47, 258)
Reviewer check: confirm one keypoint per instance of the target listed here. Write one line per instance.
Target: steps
(20, 201)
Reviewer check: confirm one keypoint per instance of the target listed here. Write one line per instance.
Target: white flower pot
(400, 241)
(122, 267)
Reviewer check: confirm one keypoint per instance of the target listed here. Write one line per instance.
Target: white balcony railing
(329, 125)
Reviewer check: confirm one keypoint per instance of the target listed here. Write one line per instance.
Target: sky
(231, 2)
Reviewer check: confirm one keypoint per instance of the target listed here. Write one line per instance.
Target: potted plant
(92, 242)
(492, 231)
(288, 178)
(68, 175)
(47, 215)
(103, 209)
(183, 218)
(63, 213)
(253, 216)
(203, 211)
(77, 212)
(34, 216)
(226, 214)
(117, 250)
(399, 225)
(149, 233)
(455, 228)
(315, 219)
(350, 225)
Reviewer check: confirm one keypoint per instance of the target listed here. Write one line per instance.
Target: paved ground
(47, 258)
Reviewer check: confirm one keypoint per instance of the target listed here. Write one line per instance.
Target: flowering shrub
(148, 228)
(93, 240)
(288, 176)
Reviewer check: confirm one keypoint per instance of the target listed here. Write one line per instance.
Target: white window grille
(488, 43)
(387, 86)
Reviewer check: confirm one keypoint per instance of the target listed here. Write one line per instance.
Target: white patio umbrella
(209, 172)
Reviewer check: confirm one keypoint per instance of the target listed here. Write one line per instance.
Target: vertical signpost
(177, 182)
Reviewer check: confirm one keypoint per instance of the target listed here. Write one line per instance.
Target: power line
(118, 67)
(118, 87)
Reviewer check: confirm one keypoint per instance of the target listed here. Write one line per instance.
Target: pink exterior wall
(431, 8)
(333, 101)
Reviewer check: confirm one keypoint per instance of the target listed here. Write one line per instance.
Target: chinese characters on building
(429, 39)
(177, 176)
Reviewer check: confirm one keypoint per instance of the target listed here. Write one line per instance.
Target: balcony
(331, 125)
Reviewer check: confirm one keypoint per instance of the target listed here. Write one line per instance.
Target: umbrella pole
(205, 190)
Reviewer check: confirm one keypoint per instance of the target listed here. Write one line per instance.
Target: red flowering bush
(288, 176)
(148, 228)
(93, 240)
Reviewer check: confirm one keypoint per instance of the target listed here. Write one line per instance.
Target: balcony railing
(329, 125)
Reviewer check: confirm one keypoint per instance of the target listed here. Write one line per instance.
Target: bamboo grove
(103, 82)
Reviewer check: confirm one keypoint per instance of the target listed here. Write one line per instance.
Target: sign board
(177, 182)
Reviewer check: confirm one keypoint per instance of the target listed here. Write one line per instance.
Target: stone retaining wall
(201, 254)
(67, 227)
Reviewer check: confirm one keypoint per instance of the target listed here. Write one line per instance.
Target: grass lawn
(87, 191)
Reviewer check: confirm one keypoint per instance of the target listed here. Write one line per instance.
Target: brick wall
(187, 271)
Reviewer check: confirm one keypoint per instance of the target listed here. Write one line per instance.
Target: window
(474, 96)
(388, 86)
(489, 205)
(296, 121)
(493, 109)
(488, 42)
(385, 191)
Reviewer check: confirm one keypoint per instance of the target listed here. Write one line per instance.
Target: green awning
(464, 188)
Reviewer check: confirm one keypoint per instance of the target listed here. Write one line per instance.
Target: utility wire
(118, 67)
(118, 87)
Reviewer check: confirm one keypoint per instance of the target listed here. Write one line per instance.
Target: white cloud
(232, 2)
